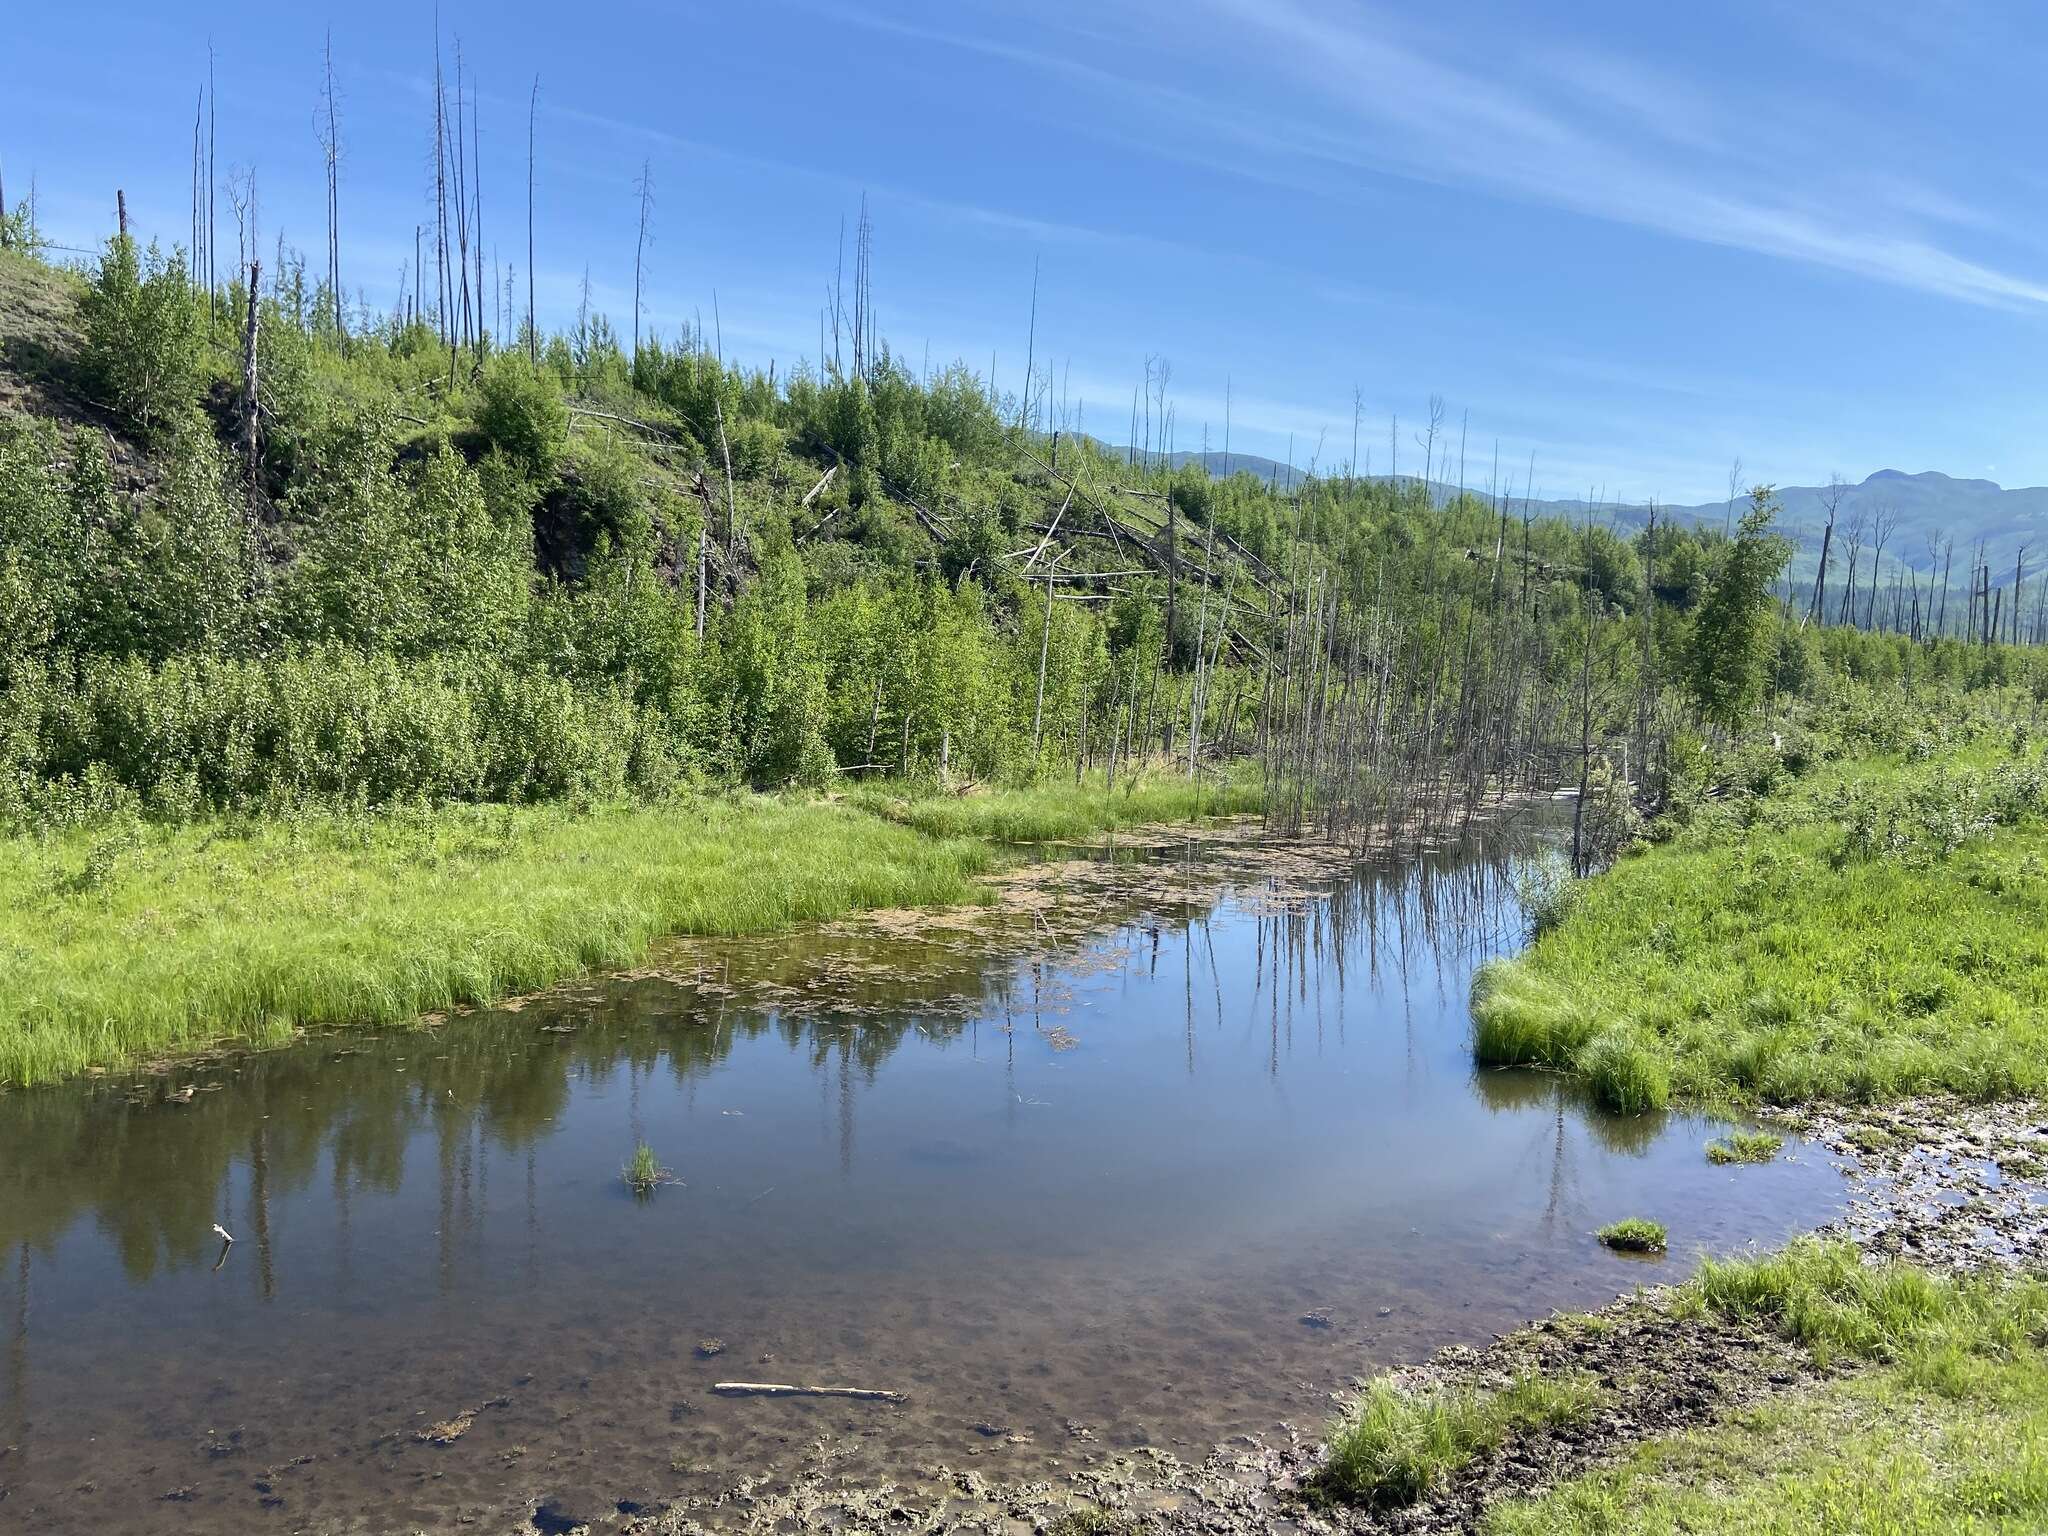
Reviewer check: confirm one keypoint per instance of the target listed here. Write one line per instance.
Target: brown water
(1151, 1153)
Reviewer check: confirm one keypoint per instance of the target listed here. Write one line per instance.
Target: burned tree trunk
(250, 401)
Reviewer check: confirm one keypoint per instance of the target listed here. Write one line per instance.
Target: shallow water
(1152, 1152)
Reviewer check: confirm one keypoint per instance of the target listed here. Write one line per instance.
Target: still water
(1153, 1151)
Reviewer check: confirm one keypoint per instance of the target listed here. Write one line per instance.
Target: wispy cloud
(1433, 118)
(1339, 88)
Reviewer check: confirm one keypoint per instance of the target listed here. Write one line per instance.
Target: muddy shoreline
(1953, 1186)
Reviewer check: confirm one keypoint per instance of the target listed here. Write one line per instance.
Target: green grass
(1949, 1425)
(644, 1173)
(1879, 931)
(123, 944)
(1822, 1295)
(1634, 1235)
(129, 941)
(1745, 1147)
(1876, 1453)
(1948, 1433)
(1059, 809)
(1393, 1447)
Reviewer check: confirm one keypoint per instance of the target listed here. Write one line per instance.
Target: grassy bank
(1058, 810)
(1922, 1405)
(131, 940)
(1879, 1452)
(1946, 1432)
(1877, 930)
(120, 945)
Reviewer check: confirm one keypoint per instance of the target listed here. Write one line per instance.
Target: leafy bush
(413, 565)
(521, 412)
(330, 727)
(144, 331)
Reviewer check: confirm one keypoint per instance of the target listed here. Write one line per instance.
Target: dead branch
(823, 481)
(778, 1389)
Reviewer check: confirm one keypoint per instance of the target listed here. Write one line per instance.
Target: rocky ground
(1959, 1186)
(1945, 1184)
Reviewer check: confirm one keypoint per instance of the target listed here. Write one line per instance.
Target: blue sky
(1637, 241)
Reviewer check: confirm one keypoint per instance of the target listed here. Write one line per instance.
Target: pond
(1154, 1150)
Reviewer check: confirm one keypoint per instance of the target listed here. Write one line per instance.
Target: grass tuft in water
(1393, 1447)
(1635, 1235)
(1745, 1147)
(644, 1174)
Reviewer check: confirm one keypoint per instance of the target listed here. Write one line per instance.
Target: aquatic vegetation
(643, 1173)
(1394, 1446)
(1745, 1147)
(180, 937)
(1634, 1235)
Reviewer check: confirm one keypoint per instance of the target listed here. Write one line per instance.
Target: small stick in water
(778, 1389)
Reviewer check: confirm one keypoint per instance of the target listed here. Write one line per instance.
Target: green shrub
(521, 413)
(327, 726)
(411, 564)
(144, 334)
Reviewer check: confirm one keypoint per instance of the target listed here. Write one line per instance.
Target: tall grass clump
(1824, 1295)
(1522, 1019)
(643, 1172)
(1547, 890)
(1393, 1447)
(1744, 1147)
(1044, 813)
(1623, 1073)
(1635, 1234)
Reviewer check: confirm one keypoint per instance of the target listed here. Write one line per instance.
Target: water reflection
(1121, 1128)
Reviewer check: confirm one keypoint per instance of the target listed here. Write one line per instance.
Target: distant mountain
(1282, 476)
(1926, 510)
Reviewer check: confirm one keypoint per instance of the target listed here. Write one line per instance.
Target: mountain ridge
(1927, 509)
